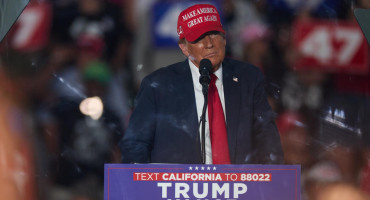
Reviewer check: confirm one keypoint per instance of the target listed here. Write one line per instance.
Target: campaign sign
(332, 47)
(206, 182)
(31, 30)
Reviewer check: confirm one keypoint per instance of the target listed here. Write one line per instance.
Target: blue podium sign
(206, 182)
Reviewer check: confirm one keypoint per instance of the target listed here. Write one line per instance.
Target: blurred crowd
(65, 104)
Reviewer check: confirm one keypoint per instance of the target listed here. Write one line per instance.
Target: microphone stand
(203, 121)
(205, 69)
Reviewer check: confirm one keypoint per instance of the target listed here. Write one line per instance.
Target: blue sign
(177, 181)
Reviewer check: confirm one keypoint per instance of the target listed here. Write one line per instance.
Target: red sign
(331, 46)
(31, 30)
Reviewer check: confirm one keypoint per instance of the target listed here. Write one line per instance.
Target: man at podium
(238, 122)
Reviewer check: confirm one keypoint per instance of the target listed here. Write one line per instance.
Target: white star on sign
(208, 168)
(214, 168)
(196, 168)
(190, 168)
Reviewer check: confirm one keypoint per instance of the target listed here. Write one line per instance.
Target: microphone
(205, 69)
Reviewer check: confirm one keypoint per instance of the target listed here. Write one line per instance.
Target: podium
(197, 181)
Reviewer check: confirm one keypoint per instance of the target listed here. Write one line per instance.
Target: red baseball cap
(197, 20)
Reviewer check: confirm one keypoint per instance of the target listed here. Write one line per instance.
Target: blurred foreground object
(17, 152)
(363, 18)
(341, 191)
(9, 12)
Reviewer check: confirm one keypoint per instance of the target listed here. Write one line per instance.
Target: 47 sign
(333, 47)
(31, 31)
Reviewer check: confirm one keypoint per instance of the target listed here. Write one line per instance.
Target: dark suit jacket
(164, 125)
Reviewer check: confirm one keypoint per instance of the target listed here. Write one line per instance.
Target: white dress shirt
(199, 99)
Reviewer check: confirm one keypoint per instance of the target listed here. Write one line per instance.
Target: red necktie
(217, 125)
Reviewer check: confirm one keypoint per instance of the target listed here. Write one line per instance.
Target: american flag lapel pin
(235, 79)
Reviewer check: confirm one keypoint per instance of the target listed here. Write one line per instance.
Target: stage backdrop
(175, 181)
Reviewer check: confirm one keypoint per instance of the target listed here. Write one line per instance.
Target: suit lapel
(186, 96)
(232, 92)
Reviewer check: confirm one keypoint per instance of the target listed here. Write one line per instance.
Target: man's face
(210, 45)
